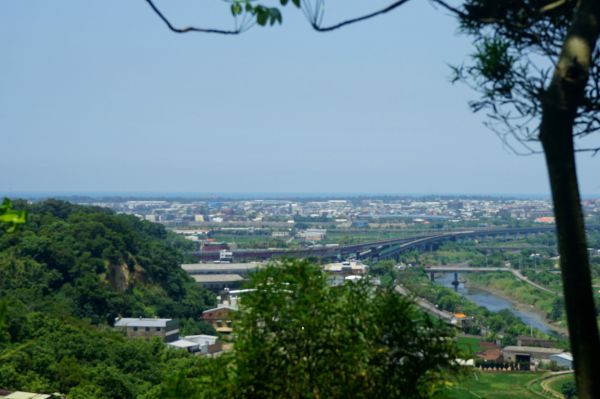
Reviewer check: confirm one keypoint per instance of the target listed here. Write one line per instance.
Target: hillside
(91, 263)
(64, 276)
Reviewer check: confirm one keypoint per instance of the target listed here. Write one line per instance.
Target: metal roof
(534, 349)
(217, 278)
(140, 322)
(565, 355)
(218, 267)
(25, 395)
(183, 343)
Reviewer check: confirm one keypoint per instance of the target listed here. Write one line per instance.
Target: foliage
(301, 338)
(74, 357)
(91, 263)
(517, 44)
(11, 217)
(569, 389)
(67, 273)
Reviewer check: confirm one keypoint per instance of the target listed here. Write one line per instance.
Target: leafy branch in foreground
(11, 217)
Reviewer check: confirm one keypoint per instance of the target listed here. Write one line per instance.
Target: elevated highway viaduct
(377, 250)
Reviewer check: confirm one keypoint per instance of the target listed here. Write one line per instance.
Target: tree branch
(189, 28)
(358, 19)
(450, 8)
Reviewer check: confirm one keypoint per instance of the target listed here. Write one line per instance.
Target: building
(221, 318)
(220, 268)
(529, 354)
(564, 359)
(461, 320)
(218, 276)
(147, 328)
(524, 340)
(346, 268)
(225, 256)
(312, 234)
(4, 394)
(218, 282)
(210, 246)
(280, 234)
(198, 344)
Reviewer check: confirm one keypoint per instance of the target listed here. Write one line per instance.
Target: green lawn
(469, 344)
(501, 385)
(556, 383)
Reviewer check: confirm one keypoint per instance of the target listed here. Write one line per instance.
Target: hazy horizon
(95, 195)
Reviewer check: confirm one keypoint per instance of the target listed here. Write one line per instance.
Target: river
(493, 302)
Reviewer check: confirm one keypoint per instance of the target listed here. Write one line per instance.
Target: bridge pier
(455, 282)
(432, 276)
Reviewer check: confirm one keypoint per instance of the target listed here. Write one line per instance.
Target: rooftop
(140, 322)
(565, 355)
(218, 267)
(217, 278)
(22, 395)
(536, 349)
(183, 344)
(219, 307)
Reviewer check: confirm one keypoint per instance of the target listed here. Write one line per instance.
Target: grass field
(496, 386)
(469, 344)
(556, 383)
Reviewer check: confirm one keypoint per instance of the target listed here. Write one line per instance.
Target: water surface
(493, 302)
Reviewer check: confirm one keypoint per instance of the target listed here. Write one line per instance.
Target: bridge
(377, 250)
(466, 269)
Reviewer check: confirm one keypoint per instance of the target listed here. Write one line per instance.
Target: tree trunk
(560, 104)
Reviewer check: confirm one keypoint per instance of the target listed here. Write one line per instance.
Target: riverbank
(469, 283)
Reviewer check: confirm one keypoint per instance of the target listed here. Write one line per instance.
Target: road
(425, 305)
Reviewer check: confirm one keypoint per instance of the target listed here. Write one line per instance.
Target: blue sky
(99, 96)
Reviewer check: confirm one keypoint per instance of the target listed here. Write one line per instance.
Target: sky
(98, 96)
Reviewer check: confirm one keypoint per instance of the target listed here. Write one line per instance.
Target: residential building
(564, 359)
(221, 268)
(221, 318)
(312, 234)
(524, 340)
(6, 394)
(461, 320)
(218, 282)
(198, 344)
(529, 354)
(166, 329)
(346, 268)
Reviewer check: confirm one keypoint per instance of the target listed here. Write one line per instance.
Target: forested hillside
(64, 276)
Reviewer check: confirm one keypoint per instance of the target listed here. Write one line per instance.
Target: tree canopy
(300, 337)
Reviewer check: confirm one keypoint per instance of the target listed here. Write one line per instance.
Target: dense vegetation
(91, 263)
(64, 276)
(70, 270)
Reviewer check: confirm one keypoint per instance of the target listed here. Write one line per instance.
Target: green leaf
(275, 16)
(261, 17)
(296, 3)
(11, 217)
(236, 9)
(283, 2)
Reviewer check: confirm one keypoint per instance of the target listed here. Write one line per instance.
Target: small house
(147, 328)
